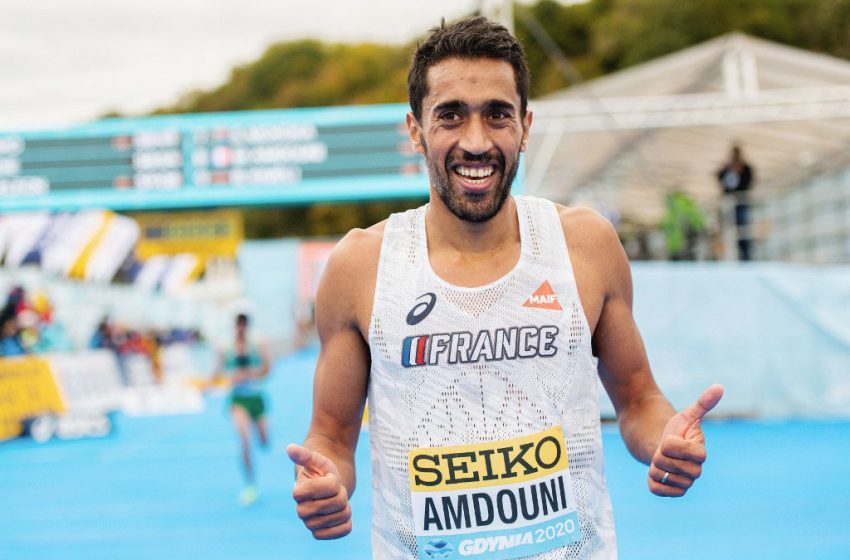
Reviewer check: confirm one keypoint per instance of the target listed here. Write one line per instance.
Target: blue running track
(166, 488)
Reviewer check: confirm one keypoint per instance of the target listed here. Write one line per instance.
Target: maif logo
(421, 309)
(544, 298)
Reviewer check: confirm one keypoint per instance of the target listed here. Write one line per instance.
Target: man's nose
(475, 139)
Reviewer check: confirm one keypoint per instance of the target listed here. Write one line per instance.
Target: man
(736, 178)
(475, 330)
(246, 365)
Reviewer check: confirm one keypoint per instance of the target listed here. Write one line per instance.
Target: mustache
(486, 158)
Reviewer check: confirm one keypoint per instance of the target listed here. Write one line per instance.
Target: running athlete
(477, 326)
(246, 365)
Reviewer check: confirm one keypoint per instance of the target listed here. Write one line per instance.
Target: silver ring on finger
(665, 477)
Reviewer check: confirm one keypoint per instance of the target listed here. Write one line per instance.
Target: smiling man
(477, 326)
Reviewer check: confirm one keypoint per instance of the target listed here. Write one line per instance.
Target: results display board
(291, 156)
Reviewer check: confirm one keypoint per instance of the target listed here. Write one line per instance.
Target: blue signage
(277, 157)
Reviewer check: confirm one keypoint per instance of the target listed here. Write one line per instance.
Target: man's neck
(472, 254)
(447, 232)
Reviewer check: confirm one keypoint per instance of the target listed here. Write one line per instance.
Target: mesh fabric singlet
(455, 369)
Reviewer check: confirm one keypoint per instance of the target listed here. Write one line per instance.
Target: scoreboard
(279, 157)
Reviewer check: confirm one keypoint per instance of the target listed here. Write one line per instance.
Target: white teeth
(477, 172)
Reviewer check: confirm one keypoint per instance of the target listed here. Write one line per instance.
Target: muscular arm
(325, 474)
(342, 369)
(642, 410)
(671, 443)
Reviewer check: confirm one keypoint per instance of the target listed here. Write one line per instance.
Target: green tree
(596, 37)
(307, 73)
(319, 220)
(602, 36)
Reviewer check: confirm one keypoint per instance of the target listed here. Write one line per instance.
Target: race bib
(502, 499)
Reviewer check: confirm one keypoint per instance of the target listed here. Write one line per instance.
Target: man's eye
(449, 116)
(499, 115)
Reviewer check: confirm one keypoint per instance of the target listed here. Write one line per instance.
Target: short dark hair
(470, 38)
(242, 318)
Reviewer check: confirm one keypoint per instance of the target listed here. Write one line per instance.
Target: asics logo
(421, 309)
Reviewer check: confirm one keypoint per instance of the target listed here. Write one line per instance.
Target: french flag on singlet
(413, 351)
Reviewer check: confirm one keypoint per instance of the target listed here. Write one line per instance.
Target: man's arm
(262, 371)
(653, 432)
(325, 476)
(642, 410)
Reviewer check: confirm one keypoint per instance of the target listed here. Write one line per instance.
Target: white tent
(621, 142)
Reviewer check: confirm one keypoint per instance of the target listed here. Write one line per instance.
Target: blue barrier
(776, 335)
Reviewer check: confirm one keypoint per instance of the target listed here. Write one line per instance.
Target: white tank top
(483, 412)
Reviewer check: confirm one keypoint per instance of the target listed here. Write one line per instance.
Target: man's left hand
(677, 462)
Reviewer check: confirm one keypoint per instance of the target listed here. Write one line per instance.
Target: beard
(472, 207)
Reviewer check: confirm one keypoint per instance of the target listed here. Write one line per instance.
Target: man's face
(471, 134)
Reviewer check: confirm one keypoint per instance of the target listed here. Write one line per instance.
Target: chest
(473, 270)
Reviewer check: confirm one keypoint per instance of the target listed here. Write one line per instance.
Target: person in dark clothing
(736, 180)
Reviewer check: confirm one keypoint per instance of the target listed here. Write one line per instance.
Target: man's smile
(475, 176)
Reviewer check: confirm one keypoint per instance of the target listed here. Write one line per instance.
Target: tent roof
(621, 142)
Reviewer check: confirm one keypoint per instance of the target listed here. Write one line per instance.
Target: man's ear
(526, 128)
(415, 131)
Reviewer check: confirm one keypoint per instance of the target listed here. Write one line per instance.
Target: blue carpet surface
(166, 488)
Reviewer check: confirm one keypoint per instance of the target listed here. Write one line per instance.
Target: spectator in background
(50, 333)
(104, 336)
(110, 336)
(10, 330)
(10, 341)
(16, 301)
(736, 180)
(31, 321)
(246, 365)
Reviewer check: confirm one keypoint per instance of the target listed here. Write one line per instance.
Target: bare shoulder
(360, 248)
(587, 231)
(598, 258)
(349, 278)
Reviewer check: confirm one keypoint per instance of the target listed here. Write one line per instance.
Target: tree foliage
(603, 36)
(319, 220)
(596, 37)
(307, 73)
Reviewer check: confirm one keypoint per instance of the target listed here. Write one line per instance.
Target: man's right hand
(321, 497)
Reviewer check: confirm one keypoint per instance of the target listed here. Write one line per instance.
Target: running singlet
(483, 412)
(252, 358)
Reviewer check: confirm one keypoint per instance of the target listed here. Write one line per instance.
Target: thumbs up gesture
(677, 462)
(321, 497)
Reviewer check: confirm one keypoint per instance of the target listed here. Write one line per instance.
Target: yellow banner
(27, 388)
(499, 462)
(210, 233)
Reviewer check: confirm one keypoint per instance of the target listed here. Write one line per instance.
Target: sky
(64, 62)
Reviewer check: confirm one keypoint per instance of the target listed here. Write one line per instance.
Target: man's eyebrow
(499, 104)
(489, 105)
(453, 105)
